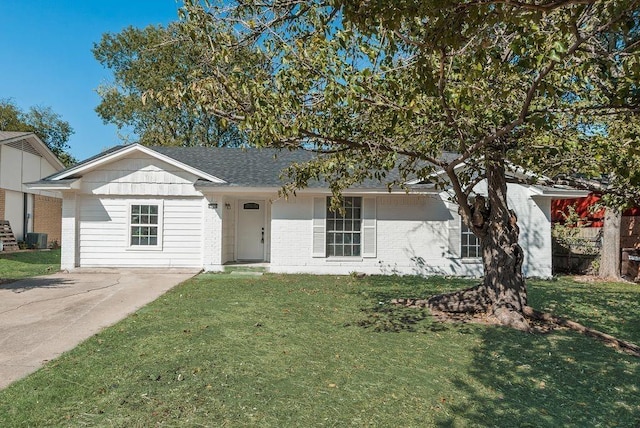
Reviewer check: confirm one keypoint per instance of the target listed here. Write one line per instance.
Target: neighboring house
(592, 217)
(578, 254)
(24, 158)
(135, 206)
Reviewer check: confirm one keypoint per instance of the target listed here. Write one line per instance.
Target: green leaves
(371, 82)
(152, 60)
(44, 122)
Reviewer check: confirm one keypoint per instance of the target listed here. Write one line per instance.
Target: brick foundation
(47, 217)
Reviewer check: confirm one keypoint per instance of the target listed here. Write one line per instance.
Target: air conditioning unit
(37, 240)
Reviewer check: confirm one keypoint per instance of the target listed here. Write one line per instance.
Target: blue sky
(46, 60)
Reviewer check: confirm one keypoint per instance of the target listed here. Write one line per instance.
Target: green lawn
(328, 351)
(20, 265)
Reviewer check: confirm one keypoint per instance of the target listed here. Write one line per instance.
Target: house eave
(557, 193)
(61, 185)
(125, 151)
(231, 189)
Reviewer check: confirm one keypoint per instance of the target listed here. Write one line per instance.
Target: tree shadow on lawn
(519, 379)
(383, 316)
(613, 311)
(27, 284)
(558, 379)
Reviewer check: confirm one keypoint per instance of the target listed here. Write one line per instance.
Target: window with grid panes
(344, 228)
(144, 225)
(470, 244)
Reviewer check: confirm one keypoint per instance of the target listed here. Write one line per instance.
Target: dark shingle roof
(251, 167)
(236, 166)
(240, 167)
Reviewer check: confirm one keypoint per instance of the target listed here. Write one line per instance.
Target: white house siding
(104, 234)
(18, 167)
(413, 236)
(212, 235)
(534, 220)
(14, 212)
(139, 175)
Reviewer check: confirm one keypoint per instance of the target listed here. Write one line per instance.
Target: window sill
(144, 248)
(344, 259)
(471, 261)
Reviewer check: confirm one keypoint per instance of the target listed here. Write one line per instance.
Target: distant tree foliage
(153, 58)
(42, 121)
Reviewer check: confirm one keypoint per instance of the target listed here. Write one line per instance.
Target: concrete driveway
(42, 317)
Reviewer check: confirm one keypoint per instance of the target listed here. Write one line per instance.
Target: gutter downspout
(25, 215)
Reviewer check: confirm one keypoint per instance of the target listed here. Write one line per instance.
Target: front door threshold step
(244, 273)
(246, 269)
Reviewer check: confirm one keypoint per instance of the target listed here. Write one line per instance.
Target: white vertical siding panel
(11, 168)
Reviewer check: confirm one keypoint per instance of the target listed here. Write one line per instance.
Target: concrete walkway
(42, 317)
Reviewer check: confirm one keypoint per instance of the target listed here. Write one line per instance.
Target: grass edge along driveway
(25, 264)
(299, 350)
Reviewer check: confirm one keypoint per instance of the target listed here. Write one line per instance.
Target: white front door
(251, 230)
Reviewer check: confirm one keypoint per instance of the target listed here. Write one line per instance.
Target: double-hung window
(344, 228)
(145, 223)
(470, 244)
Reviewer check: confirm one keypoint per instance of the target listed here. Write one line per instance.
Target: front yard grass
(329, 351)
(23, 264)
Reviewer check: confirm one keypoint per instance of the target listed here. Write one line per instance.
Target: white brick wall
(212, 235)
(415, 235)
(68, 243)
(412, 237)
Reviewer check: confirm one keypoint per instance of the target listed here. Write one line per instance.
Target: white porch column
(69, 239)
(212, 233)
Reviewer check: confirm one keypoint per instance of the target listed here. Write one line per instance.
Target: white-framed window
(344, 230)
(469, 243)
(145, 225)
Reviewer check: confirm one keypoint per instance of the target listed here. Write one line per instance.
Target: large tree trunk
(502, 255)
(502, 293)
(610, 252)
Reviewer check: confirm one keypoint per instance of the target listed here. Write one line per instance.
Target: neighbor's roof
(30, 143)
(6, 136)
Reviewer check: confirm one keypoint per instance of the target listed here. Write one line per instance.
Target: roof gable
(120, 152)
(30, 143)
